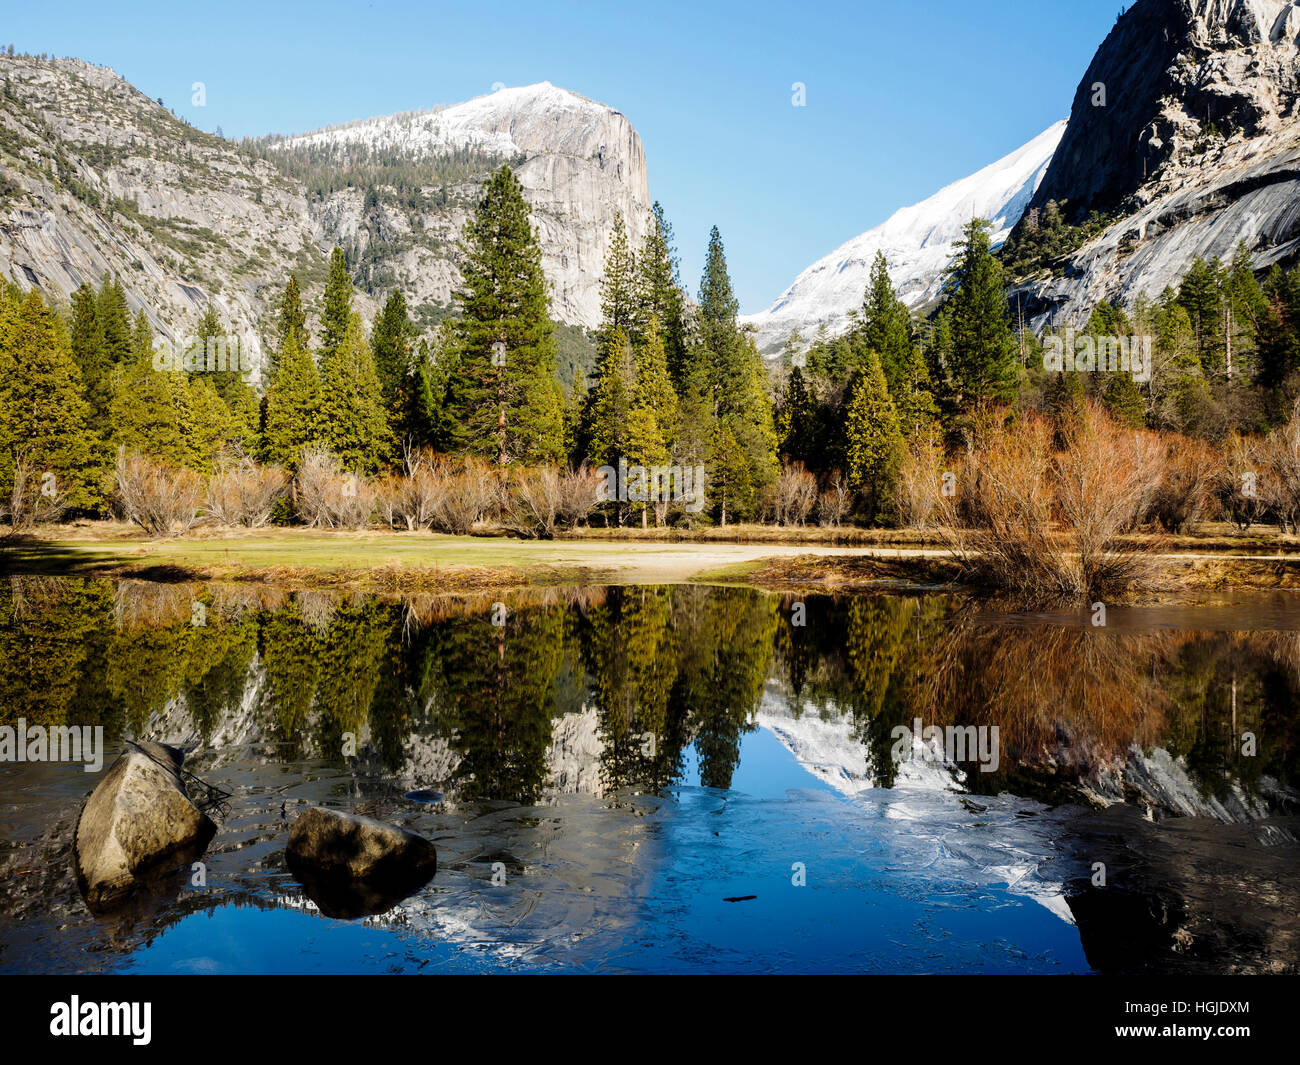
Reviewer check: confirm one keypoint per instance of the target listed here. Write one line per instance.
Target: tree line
(677, 384)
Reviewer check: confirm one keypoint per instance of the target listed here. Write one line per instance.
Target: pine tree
(1123, 399)
(150, 411)
(115, 321)
(733, 369)
(350, 419)
(503, 399)
(611, 400)
(913, 397)
(90, 351)
(874, 442)
(43, 408)
(619, 308)
(289, 318)
(1201, 295)
(886, 324)
(654, 384)
(659, 290)
(292, 399)
(390, 342)
(337, 312)
(797, 428)
(731, 487)
(230, 384)
(978, 353)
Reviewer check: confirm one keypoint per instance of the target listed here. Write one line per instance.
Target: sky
(900, 98)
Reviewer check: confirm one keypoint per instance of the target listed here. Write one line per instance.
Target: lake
(680, 779)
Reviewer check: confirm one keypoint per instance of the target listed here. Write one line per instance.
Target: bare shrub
(1281, 453)
(1183, 494)
(468, 493)
(1045, 523)
(920, 480)
(835, 502)
(796, 493)
(161, 499)
(532, 502)
(330, 498)
(1105, 477)
(998, 524)
(33, 499)
(1238, 472)
(240, 492)
(580, 494)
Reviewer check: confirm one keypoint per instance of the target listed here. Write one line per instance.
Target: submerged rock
(352, 866)
(138, 823)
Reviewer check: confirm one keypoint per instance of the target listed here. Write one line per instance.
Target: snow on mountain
(917, 241)
(580, 163)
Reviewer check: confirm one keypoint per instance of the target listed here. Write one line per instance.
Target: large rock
(1195, 149)
(352, 866)
(138, 823)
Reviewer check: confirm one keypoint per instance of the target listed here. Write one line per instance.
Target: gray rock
(351, 866)
(138, 823)
(1196, 149)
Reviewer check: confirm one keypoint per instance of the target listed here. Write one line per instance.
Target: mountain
(96, 179)
(917, 242)
(580, 163)
(1185, 135)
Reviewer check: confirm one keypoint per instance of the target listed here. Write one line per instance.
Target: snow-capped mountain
(580, 162)
(97, 179)
(917, 242)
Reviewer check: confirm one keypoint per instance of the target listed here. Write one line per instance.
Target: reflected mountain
(593, 743)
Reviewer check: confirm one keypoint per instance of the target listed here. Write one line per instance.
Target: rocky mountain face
(917, 242)
(1186, 131)
(581, 164)
(96, 179)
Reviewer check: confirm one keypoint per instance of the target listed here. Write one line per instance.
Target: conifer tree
(619, 308)
(731, 484)
(337, 311)
(43, 408)
(612, 399)
(151, 410)
(977, 348)
(350, 418)
(913, 397)
(292, 399)
(115, 321)
(390, 342)
(874, 442)
(502, 398)
(736, 379)
(90, 351)
(659, 290)
(886, 324)
(289, 318)
(229, 384)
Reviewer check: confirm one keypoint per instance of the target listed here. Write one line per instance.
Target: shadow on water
(601, 768)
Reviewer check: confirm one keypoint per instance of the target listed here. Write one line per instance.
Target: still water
(676, 779)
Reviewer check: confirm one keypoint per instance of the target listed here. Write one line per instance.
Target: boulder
(139, 823)
(352, 866)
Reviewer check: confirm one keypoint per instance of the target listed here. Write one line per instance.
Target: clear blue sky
(903, 96)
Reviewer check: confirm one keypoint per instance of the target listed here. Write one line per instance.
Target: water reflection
(598, 739)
